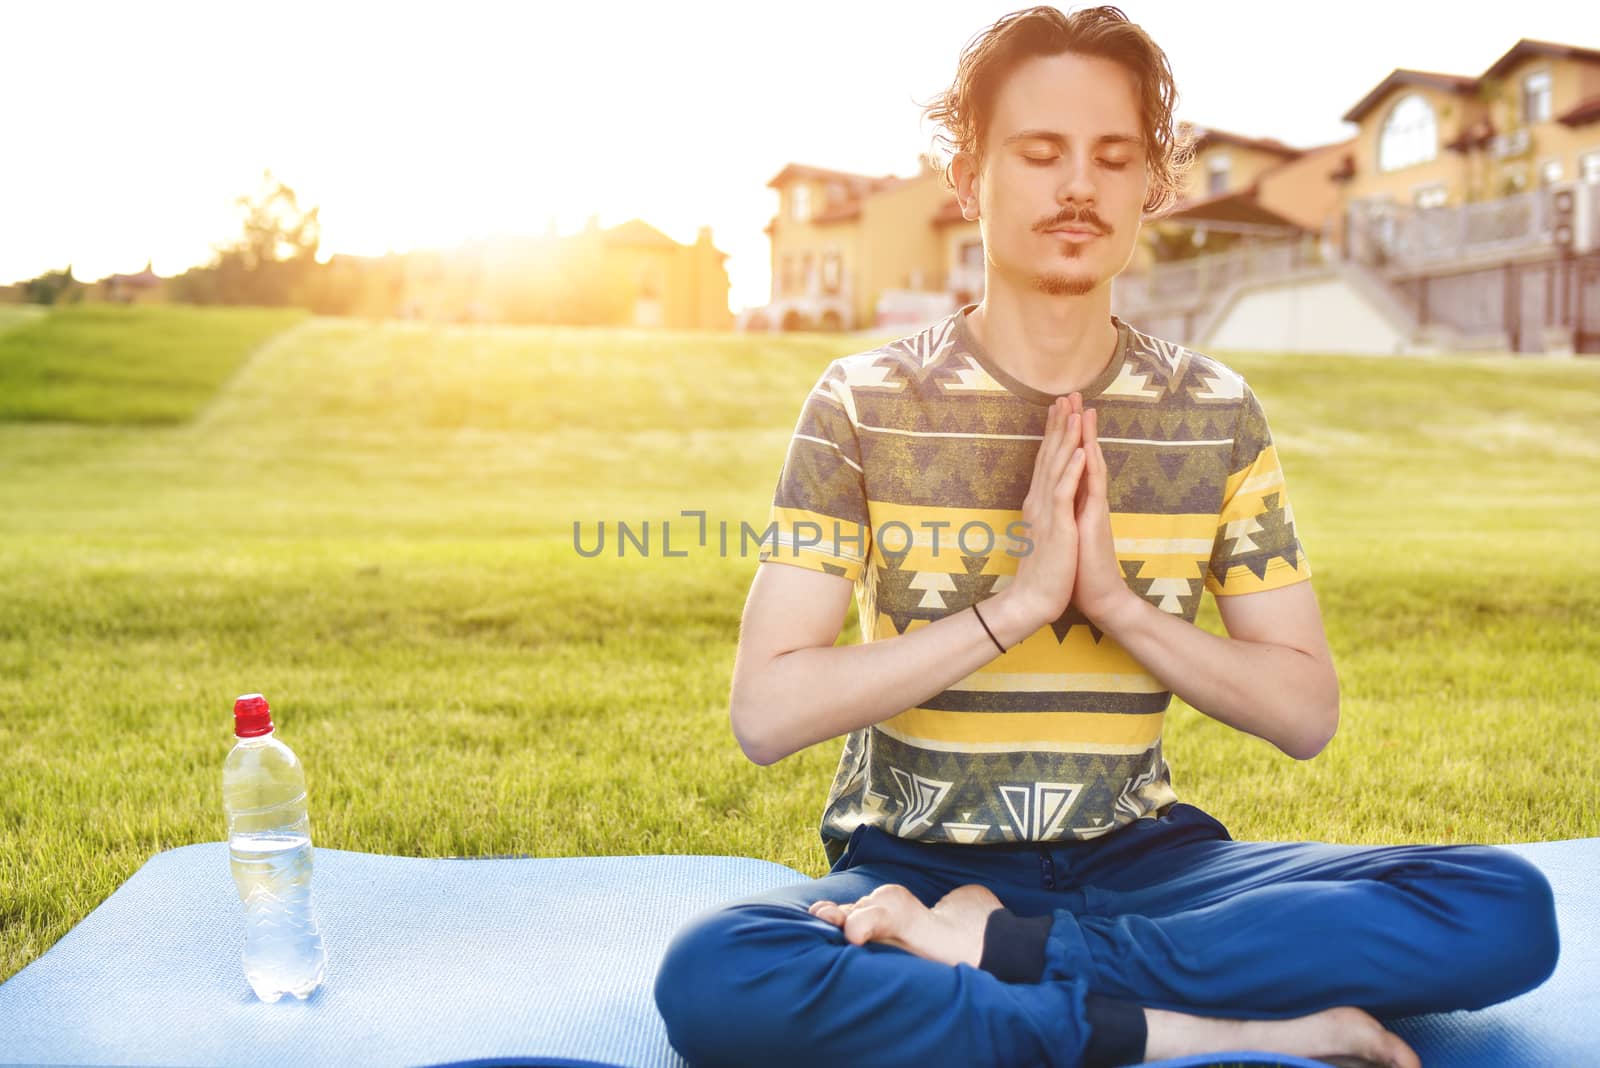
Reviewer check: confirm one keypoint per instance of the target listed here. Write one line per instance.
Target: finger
(1046, 442)
(1097, 458)
(1058, 439)
(1041, 459)
(1067, 483)
(1070, 440)
(1044, 438)
(1091, 450)
(1080, 498)
(1063, 455)
(1070, 478)
(1067, 492)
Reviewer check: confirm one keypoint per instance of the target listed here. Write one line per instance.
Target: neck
(1053, 343)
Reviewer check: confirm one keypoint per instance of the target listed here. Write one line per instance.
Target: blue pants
(1168, 913)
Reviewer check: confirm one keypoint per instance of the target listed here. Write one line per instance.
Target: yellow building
(1427, 139)
(848, 249)
(1464, 212)
(1244, 189)
(666, 283)
(852, 251)
(1424, 140)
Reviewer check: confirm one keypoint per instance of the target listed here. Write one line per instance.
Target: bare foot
(1343, 1036)
(951, 932)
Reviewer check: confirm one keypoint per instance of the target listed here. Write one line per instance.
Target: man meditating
(1028, 500)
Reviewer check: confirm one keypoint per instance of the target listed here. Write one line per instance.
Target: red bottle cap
(251, 716)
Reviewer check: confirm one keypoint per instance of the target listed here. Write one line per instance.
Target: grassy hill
(113, 363)
(15, 315)
(372, 525)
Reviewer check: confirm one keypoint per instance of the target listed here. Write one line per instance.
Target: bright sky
(130, 128)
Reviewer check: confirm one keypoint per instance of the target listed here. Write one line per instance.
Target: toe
(828, 912)
(864, 924)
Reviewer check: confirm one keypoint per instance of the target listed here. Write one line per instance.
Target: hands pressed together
(1072, 558)
(1069, 557)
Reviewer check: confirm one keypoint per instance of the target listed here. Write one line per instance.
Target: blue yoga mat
(544, 962)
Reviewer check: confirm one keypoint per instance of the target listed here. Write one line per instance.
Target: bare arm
(1273, 676)
(792, 687)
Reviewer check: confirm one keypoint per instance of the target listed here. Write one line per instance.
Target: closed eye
(1035, 160)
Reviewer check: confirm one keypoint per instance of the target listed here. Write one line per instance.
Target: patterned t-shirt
(906, 471)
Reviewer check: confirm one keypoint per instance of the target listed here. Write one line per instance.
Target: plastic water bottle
(269, 843)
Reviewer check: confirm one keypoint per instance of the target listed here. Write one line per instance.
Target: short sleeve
(1257, 547)
(819, 517)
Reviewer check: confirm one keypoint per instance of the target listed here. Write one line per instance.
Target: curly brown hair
(964, 110)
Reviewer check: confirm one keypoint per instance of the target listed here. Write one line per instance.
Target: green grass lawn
(111, 363)
(15, 315)
(372, 525)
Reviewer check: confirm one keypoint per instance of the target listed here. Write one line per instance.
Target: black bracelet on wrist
(992, 638)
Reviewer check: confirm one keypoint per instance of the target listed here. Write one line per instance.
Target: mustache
(1080, 218)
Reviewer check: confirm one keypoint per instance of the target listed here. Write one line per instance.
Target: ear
(964, 172)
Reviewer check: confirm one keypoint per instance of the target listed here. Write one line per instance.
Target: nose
(1077, 186)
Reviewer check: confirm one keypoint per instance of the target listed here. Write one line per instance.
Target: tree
(275, 229)
(53, 287)
(272, 262)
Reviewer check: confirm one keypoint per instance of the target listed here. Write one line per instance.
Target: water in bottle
(269, 843)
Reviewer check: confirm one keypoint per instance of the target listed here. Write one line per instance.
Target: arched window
(1410, 134)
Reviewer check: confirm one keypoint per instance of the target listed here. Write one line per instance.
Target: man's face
(1063, 149)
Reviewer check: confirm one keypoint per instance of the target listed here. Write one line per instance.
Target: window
(1589, 166)
(805, 271)
(972, 251)
(1216, 174)
(1536, 97)
(786, 275)
(1550, 172)
(800, 203)
(1409, 136)
(1430, 196)
(830, 272)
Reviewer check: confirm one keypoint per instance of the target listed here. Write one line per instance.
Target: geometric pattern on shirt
(923, 428)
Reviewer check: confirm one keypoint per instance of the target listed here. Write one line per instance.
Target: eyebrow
(1061, 142)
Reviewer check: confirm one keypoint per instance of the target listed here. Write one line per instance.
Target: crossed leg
(1176, 916)
(772, 980)
(1267, 929)
(953, 932)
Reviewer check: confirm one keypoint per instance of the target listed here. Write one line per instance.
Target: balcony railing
(1398, 236)
(1197, 279)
